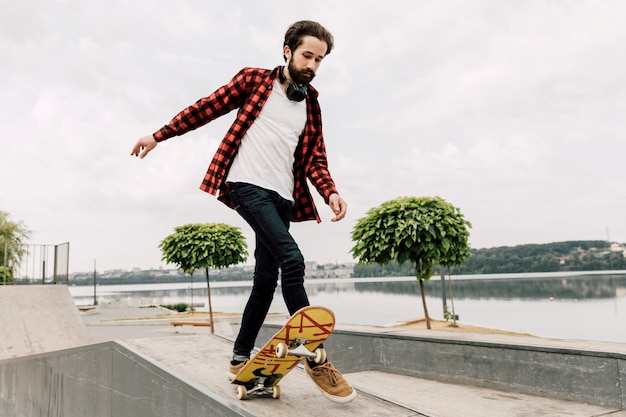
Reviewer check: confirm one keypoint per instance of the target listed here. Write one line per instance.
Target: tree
(12, 245)
(209, 245)
(424, 230)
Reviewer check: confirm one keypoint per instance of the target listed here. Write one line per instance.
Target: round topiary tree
(204, 245)
(423, 230)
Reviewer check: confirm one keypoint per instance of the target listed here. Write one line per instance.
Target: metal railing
(40, 264)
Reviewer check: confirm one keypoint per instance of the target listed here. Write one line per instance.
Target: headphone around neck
(295, 92)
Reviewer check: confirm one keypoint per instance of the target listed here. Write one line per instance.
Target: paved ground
(119, 322)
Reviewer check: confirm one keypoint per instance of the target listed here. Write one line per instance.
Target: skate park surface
(111, 361)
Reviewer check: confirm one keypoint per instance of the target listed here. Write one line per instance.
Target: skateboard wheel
(276, 392)
(242, 392)
(320, 355)
(281, 350)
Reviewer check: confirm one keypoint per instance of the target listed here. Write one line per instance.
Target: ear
(287, 52)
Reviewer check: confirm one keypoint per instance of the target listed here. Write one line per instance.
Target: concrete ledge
(582, 375)
(191, 323)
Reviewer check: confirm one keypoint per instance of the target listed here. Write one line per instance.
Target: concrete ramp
(184, 376)
(176, 376)
(204, 359)
(39, 319)
(102, 380)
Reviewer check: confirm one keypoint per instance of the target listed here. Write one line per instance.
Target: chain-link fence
(40, 264)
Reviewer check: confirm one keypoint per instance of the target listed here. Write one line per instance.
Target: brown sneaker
(233, 370)
(330, 381)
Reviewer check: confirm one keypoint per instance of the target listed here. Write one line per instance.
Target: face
(304, 61)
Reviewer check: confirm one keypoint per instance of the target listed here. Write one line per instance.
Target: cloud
(511, 111)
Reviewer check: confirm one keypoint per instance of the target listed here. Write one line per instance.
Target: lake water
(586, 306)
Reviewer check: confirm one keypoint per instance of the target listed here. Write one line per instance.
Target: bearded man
(261, 169)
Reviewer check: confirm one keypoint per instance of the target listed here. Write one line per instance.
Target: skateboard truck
(298, 349)
(259, 390)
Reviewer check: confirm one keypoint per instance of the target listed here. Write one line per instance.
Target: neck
(284, 76)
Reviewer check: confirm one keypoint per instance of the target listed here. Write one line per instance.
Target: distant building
(329, 270)
(618, 247)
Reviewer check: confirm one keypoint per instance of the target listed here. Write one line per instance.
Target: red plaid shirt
(248, 91)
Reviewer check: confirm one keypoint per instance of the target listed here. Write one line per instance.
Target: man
(260, 169)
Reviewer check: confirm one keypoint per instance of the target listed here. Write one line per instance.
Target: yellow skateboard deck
(298, 339)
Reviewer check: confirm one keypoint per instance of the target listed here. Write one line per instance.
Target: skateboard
(298, 339)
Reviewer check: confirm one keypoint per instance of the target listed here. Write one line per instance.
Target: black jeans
(269, 216)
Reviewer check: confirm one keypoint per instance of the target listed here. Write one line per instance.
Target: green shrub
(5, 275)
(180, 307)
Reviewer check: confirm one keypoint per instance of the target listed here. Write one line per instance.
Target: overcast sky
(513, 111)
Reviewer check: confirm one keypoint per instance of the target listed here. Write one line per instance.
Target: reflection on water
(571, 287)
(589, 306)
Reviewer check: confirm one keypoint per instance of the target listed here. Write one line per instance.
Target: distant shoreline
(503, 276)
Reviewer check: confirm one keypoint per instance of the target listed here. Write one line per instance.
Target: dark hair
(295, 33)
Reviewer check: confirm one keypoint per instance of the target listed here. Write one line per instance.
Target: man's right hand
(143, 146)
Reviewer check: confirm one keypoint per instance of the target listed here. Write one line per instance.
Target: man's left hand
(338, 206)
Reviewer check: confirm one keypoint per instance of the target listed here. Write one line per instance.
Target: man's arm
(207, 109)
(222, 101)
(321, 179)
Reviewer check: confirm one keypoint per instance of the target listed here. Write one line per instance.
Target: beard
(301, 77)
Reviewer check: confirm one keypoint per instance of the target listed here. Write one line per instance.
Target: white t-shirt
(266, 155)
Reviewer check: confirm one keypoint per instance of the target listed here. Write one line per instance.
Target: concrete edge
(581, 375)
